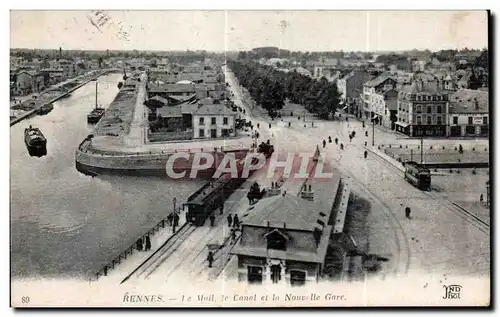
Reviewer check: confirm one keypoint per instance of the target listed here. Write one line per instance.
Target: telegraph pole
(421, 150)
(373, 131)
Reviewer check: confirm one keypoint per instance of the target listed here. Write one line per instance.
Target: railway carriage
(417, 175)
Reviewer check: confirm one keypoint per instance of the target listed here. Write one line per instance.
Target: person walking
(210, 258)
(337, 141)
(148, 244)
(221, 208)
(481, 198)
(233, 235)
(341, 146)
(212, 220)
(324, 143)
(229, 220)
(138, 244)
(236, 222)
(408, 212)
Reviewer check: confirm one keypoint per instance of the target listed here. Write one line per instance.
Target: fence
(130, 250)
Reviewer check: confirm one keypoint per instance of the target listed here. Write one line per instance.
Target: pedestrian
(408, 212)
(366, 154)
(229, 220)
(212, 220)
(366, 143)
(138, 244)
(210, 258)
(329, 139)
(350, 137)
(336, 141)
(221, 208)
(170, 217)
(148, 244)
(346, 118)
(481, 198)
(233, 235)
(289, 124)
(324, 143)
(341, 146)
(269, 126)
(258, 125)
(236, 222)
(106, 270)
(366, 133)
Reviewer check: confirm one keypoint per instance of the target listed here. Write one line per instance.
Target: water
(63, 223)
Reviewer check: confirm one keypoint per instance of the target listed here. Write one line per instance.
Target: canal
(63, 223)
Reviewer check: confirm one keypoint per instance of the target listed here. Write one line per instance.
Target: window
(485, 120)
(434, 98)
(214, 120)
(470, 120)
(254, 274)
(429, 119)
(470, 129)
(297, 278)
(225, 120)
(439, 109)
(276, 240)
(455, 120)
(438, 120)
(202, 121)
(419, 120)
(429, 109)
(419, 109)
(419, 97)
(225, 132)
(202, 133)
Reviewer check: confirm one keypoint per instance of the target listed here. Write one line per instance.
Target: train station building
(285, 238)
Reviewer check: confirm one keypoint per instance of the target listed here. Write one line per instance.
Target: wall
(207, 126)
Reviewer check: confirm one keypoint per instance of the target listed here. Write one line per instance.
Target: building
(379, 84)
(214, 121)
(29, 82)
(385, 107)
(285, 239)
(54, 75)
(350, 87)
(422, 110)
(469, 113)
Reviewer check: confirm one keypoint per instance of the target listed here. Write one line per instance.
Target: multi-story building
(384, 105)
(214, 121)
(422, 110)
(380, 84)
(29, 82)
(469, 113)
(350, 87)
(285, 239)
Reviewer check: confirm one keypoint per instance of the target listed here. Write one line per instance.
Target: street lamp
(175, 202)
(488, 193)
(373, 130)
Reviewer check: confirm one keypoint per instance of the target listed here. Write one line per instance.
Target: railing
(130, 250)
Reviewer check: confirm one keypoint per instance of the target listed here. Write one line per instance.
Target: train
(417, 175)
(201, 204)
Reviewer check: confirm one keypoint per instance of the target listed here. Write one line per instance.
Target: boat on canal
(97, 113)
(45, 109)
(35, 141)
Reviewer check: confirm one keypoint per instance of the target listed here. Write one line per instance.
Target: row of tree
(270, 88)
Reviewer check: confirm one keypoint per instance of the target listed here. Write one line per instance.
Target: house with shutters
(469, 113)
(286, 239)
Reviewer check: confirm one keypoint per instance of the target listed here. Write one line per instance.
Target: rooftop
(469, 101)
(171, 88)
(212, 109)
(378, 80)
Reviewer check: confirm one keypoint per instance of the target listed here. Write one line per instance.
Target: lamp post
(488, 193)
(175, 202)
(421, 150)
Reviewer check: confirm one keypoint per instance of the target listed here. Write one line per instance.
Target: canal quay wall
(108, 149)
(34, 110)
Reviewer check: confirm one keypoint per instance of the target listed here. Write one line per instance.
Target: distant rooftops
(469, 101)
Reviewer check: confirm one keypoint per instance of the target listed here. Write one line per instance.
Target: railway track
(463, 213)
(160, 255)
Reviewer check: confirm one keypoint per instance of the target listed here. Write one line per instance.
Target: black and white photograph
(249, 158)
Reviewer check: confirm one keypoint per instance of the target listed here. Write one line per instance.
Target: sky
(244, 30)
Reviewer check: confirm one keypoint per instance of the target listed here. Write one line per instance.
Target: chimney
(284, 225)
(268, 223)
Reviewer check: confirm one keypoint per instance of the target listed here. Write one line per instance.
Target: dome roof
(185, 82)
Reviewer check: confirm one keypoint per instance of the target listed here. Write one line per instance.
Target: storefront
(429, 130)
(402, 127)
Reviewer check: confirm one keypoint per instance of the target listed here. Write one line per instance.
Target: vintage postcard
(219, 158)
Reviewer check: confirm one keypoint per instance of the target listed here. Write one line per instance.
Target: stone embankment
(78, 81)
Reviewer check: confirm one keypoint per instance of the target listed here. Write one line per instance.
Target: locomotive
(201, 204)
(417, 175)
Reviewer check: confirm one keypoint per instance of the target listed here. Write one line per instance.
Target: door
(254, 274)
(275, 273)
(213, 133)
